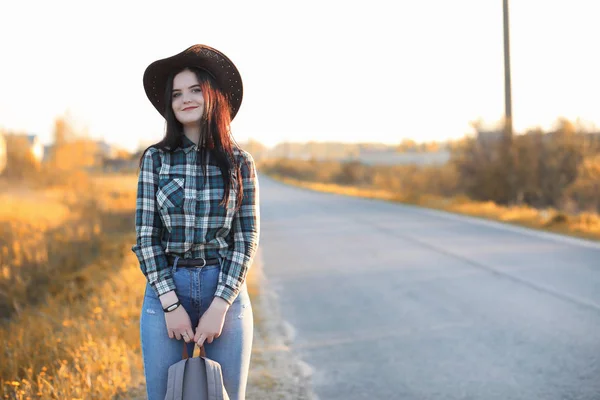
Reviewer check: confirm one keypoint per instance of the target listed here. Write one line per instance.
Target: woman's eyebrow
(177, 90)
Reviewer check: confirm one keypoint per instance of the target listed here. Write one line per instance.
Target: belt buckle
(204, 262)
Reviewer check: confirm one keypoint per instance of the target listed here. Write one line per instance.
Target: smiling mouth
(189, 108)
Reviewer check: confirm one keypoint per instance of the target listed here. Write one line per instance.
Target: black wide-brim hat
(204, 57)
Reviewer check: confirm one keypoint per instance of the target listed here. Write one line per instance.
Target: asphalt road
(396, 302)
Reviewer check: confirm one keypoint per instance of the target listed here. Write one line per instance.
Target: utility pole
(508, 119)
(507, 92)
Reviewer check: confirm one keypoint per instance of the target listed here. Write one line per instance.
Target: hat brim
(215, 63)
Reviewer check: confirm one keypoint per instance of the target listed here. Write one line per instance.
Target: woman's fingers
(185, 333)
(191, 334)
(188, 335)
(201, 339)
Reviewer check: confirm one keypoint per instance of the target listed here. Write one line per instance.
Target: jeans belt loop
(175, 264)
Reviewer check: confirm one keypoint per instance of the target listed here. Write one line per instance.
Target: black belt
(193, 262)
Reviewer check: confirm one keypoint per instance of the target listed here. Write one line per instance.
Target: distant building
(26, 143)
(106, 150)
(47, 152)
(36, 147)
(366, 153)
(489, 138)
(392, 157)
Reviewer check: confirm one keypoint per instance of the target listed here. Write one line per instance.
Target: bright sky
(377, 70)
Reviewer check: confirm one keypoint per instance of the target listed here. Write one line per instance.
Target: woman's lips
(189, 108)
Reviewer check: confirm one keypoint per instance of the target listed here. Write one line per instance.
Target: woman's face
(187, 99)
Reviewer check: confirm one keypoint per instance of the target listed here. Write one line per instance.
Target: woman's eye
(193, 90)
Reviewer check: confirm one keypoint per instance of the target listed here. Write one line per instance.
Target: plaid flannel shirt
(177, 214)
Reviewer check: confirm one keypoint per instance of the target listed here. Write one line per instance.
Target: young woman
(197, 221)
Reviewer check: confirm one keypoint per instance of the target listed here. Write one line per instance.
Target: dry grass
(119, 191)
(72, 345)
(586, 225)
(43, 211)
(66, 264)
(63, 268)
(43, 236)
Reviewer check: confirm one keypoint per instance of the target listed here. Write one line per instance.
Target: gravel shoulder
(275, 370)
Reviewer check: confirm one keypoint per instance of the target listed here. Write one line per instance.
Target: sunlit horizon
(349, 73)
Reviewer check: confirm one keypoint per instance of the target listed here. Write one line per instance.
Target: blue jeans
(195, 288)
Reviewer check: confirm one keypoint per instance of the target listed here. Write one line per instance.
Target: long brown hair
(215, 133)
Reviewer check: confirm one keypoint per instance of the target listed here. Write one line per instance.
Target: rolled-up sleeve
(245, 229)
(148, 227)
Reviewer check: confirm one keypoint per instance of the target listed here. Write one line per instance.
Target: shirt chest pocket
(170, 193)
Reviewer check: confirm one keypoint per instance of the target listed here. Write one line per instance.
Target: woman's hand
(211, 323)
(179, 324)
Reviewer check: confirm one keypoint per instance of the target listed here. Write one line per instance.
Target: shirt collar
(186, 144)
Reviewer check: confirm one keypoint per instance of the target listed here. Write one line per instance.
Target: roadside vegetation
(70, 287)
(544, 180)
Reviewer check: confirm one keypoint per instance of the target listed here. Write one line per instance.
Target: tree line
(558, 169)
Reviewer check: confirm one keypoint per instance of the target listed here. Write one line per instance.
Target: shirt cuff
(163, 286)
(226, 293)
